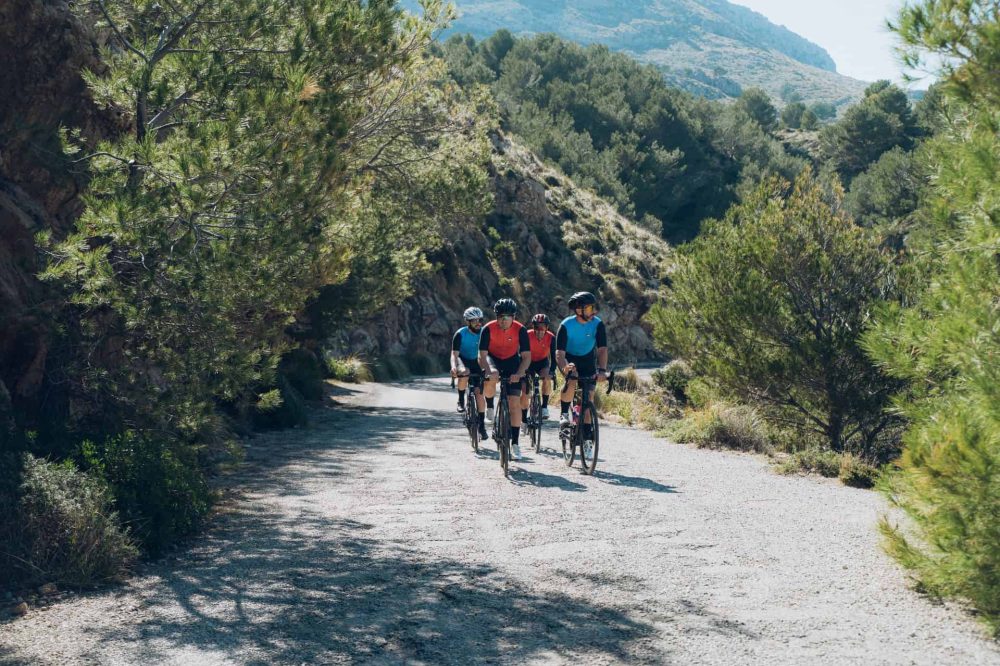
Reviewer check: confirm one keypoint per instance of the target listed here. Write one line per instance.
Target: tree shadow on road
(261, 590)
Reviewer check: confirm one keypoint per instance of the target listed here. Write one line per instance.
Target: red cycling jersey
(540, 349)
(503, 344)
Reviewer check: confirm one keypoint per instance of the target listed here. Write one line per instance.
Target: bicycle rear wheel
(589, 462)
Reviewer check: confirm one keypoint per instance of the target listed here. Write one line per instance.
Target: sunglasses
(540, 325)
(505, 317)
(587, 309)
(474, 321)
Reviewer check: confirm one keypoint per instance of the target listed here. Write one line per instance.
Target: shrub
(159, 486)
(280, 407)
(812, 461)
(856, 472)
(627, 380)
(674, 378)
(723, 426)
(783, 289)
(348, 369)
(58, 525)
(304, 373)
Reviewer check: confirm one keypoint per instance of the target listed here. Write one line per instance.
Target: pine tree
(947, 344)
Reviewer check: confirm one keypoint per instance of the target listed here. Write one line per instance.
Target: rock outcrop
(544, 240)
(44, 49)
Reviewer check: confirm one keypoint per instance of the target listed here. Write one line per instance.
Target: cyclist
(465, 360)
(504, 350)
(581, 351)
(543, 362)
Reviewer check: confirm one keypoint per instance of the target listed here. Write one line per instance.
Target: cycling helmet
(540, 319)
(472, 313)
(505, 306)
(580, 299)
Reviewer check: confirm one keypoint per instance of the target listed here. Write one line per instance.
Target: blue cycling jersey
(467, 343)
(581, 338)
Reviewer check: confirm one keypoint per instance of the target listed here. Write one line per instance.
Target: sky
(853, 32)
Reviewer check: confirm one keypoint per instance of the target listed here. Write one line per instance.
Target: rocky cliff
(44, 49)
(544, 240)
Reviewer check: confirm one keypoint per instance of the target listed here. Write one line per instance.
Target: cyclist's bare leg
(463, 382)
(546, 389)
(514, 403)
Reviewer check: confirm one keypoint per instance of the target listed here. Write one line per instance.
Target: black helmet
(580, 299)
(505, 306)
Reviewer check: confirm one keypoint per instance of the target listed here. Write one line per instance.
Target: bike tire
(536, 422)
(472, 412)
(589, 464)
(503, 435)
(568, 438)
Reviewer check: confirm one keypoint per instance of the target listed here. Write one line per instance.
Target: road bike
(534, 421)
(582, 409)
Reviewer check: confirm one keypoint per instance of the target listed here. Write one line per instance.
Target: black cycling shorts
(506, 367)
(472, 365)
(540, 368)
(586, 366)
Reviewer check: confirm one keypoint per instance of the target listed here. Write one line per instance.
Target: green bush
(57, 525)
(674, 378)
(783, 289)
(159, 486)
(280, 407)
(857, 473)
(812, 461)
(722, 426)
(348, 369)
(304, 373)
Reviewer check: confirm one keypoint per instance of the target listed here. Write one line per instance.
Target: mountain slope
(545, 239)
(709, 47)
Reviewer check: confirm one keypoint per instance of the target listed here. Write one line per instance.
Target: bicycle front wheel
(472, 414)
(588, 454)
(503, 436)
(536, 422)
(568, 438)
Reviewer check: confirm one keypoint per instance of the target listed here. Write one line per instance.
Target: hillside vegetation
(661, 155)
(711, 48)
(544, 239)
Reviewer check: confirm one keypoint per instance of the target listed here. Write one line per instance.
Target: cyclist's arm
(456, 345)
(525, 346)
(484, 345)
(552, 354)
(602, 349)
(561, 349)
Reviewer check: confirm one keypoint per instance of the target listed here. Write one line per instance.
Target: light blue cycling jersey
(581, 338)
(469, 347)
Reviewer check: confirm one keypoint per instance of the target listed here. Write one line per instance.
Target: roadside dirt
(377, 536)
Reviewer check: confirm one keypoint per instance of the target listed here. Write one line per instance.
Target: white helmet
(472, 313)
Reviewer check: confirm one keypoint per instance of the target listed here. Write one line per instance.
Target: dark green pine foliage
(770, 304)
(660, 155)
(948, 343)
(269, 146)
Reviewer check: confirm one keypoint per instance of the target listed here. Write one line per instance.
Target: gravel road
(377, 536)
